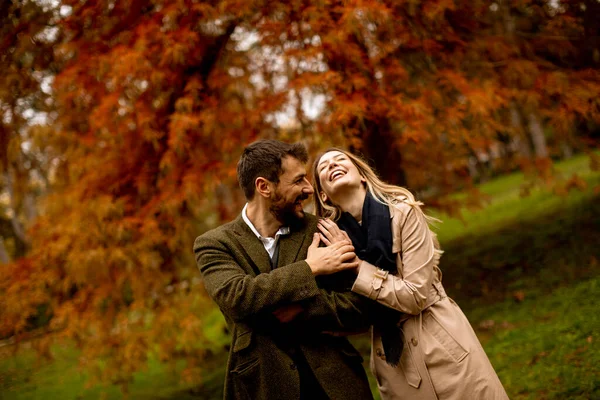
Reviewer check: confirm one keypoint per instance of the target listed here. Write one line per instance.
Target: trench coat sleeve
(241, 296)
(416, 257)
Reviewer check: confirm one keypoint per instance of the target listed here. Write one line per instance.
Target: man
(262, 271)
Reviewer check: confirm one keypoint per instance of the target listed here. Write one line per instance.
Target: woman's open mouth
(336, 174)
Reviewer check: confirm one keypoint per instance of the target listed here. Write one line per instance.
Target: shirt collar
(284, 230)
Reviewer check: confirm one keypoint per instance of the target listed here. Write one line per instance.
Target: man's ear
(263, 187)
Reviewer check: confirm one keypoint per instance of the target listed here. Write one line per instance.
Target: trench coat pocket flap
(413, 378)
(242, 340)
(445, 338)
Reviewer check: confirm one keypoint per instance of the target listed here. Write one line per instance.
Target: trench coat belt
(436, 293)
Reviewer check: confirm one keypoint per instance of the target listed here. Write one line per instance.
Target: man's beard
(285, 212)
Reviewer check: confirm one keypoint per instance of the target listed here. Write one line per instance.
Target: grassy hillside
(526, 271)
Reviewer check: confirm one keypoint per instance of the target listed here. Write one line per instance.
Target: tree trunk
(520, 140)
(567, 150)
(379, 149)
(14, 220)
(591, 34)
(4, 258)
(537, 136)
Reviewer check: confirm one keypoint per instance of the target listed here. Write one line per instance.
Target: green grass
(27, 377)
(527, 245)
(546, 347)
(506, 206)
(526, 271)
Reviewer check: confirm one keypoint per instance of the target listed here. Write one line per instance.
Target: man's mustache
(302, 197)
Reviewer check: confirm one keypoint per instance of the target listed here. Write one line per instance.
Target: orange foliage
(156, 99)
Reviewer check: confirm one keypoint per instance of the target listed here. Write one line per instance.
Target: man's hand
(334, 258)
(331, 233)
(288, 313)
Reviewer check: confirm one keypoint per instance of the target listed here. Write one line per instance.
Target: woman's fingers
(332, 231)
(324, 239)
(325, 230)
(347, 248)
(350, 265)
(330, 225)
(347, 257)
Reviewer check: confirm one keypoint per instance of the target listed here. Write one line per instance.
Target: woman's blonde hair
(382, 192)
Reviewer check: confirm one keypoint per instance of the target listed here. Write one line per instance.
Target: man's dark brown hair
(263, 158)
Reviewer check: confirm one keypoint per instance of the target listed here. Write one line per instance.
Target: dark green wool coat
(237, 274)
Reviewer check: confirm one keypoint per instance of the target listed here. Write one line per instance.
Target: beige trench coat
(442, 357)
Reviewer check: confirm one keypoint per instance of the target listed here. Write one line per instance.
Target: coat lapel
(290, 245)
(252, 246)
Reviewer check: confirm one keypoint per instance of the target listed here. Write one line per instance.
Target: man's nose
(308, 189)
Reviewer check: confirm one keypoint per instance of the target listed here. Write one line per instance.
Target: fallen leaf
(519, 295)
(537, 357)
(487, 324)
(507, 325)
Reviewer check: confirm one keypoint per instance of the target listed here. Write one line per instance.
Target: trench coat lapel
(252, 246)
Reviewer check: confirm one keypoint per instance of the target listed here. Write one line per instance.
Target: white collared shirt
(269, 242)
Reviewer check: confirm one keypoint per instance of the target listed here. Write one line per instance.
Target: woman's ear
(363, 180)
(323, 197)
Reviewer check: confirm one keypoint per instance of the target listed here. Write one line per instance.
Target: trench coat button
(293, 366)
(379, 352)
(414, 341)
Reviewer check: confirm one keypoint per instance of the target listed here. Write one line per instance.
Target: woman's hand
(331, 259)
(331, 233)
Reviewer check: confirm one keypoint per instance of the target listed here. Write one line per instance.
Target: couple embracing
(292, 287)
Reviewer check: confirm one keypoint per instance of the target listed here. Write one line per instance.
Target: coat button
(414, 341)
(293, 366)
(379, 352)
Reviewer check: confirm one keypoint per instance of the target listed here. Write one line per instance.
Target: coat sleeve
(241, 296)
(336, 309)
(416, 257)
(246, 298)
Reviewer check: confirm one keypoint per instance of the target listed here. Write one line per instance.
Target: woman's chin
(338, 186)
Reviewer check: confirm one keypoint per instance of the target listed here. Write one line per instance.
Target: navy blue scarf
(373, 243)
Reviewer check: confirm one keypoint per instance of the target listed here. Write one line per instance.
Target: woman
(426, 348)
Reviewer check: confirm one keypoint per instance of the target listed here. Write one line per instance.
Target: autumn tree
(155, 99)
(27, 34)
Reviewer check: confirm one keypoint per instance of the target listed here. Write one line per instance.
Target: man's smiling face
(293, 188)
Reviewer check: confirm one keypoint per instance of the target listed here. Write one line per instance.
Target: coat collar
(289, 245)
(257, 255)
